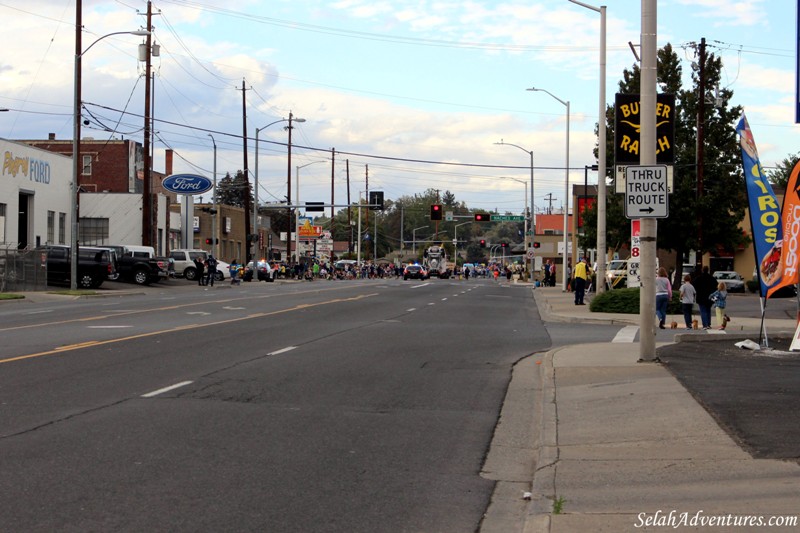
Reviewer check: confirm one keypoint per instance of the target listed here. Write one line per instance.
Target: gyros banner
(790, 220)
(765, 214)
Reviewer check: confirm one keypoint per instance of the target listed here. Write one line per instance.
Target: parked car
(94, 265)
(414, 271)
(184, 262)
(140, 265)
(266, 271)
(732, 280)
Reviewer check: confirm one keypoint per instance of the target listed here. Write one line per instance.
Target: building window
(51, 227)
(87, 166)
(62, 228)
(94, 231)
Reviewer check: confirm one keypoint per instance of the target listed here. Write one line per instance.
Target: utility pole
(246, 172)
(366, 223)
(349, 210)
(147, 199)
(549, 198)
(700, 152)
(333, 176)
(647, 156)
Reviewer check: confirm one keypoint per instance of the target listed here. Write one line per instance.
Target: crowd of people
(704, 290)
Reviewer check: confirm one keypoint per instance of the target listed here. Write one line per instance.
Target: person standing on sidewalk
(663, 296)
(582, 274)
(705, 284)
(719, 297)
(688, 294)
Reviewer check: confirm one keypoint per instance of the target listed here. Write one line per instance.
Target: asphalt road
(341, 407)
(753, 395)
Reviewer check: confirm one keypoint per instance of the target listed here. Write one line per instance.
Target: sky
(411, 94)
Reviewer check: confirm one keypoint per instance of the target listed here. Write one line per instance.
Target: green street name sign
(507, 218)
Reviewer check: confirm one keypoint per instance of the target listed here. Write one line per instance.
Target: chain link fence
(22, 270)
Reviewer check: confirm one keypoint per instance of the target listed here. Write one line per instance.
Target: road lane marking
(121, 312)
(62, 349)
(626, 334)
(444, 299)
(282, 350)
(420, 285)
(167, 389)
(412, 309)
(107, 327)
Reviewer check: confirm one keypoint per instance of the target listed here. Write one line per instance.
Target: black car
(415, 272)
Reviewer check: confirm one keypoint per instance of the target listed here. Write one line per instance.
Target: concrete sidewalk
(621, 444)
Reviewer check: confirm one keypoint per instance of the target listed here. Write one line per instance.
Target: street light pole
(76, 140)
(601, 152)
(455, 242)
(566, 191)
(255, 191)
(414, 239)
(533, 205)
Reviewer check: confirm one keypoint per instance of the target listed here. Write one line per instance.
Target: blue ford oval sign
(187, 184)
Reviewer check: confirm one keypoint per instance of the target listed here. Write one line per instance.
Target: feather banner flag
(790, 221)
(765, 213)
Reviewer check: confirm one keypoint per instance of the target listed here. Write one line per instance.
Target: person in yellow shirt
(583, 274)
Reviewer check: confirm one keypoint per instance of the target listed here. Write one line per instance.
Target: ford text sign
(187, 184)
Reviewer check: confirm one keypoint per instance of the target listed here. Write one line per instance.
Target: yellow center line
(164, 308)
(87, 344)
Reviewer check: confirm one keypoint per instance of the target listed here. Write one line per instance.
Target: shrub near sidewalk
(627, 301)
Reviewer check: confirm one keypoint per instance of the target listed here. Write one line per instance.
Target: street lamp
(455, 241)
(255, 192)
(525, 240)
(414, 239)
(601, 151)
(76, 123)
(297, 208)
(566, 190)
(533, 205)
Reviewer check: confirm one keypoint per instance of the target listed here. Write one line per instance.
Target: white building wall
(45, 177)
(124, 214)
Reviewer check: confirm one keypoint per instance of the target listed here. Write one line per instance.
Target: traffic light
(482, 217)
(436, 211)
(208, 241)
(537, 244)
(504, 245)
(483, 243)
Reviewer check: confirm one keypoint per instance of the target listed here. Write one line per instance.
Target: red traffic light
(504, 244)
(208, 241)
(436, 212)
(482, 217)
(483, 243)
(537, 244)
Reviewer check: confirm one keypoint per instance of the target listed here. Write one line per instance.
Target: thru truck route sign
(646, 192)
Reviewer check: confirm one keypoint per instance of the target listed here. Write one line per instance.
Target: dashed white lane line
(626, 334)
(282, 350)
(166, 389)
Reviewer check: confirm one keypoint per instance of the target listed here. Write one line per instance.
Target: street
(323, 406)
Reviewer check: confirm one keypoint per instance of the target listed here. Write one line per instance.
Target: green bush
(627, 301)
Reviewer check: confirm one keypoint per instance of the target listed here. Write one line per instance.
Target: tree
(721, 206)
(780, 176)
(233, 190)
